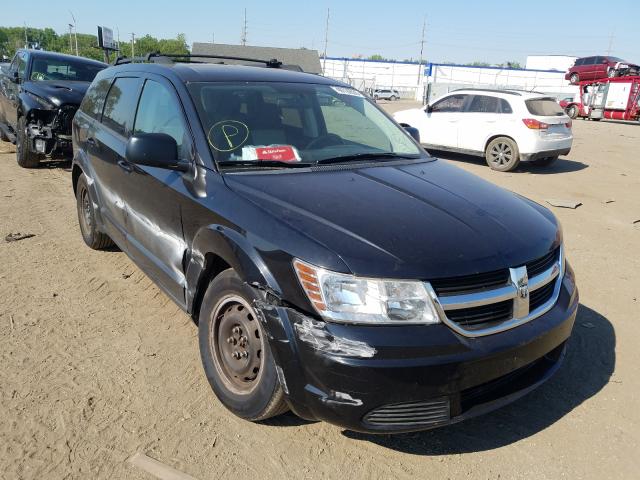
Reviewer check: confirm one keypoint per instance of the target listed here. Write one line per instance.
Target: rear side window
(454, 103)
(120, 105)
(505, 107)
(159, 112)
(544, 107)
(484, 104)
(94, 99)
(599, 59)
(579, 62)
(590, 60)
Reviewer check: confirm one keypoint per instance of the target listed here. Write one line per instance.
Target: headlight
(349, 299)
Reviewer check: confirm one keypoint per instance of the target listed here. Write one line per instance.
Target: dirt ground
(96, 364)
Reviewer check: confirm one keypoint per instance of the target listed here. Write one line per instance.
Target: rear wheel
(87, 219)
(235, 350)
(502, 154)
(572, 111)
(25, 157)
(574, 78)
(545, 162)
(612, 73)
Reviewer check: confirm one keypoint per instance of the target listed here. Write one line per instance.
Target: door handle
(126, 166)
(91, 141)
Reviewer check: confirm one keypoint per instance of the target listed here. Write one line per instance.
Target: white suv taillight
(534, 124)
(568, 124)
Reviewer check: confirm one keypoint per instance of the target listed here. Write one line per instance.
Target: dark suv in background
(593, 68)
(39, 95)
(333, 267)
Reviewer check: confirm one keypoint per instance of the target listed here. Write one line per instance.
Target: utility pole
(326, 36)
(26, 40)
(243, 39)
(213, 38)
(610, 43)
(424, 28)
(75, 31)
(133, 42)
(71, 38)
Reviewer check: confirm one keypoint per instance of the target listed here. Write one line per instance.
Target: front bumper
(381, 379)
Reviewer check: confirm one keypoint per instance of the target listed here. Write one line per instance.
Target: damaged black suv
(334, 268)
(39, 95)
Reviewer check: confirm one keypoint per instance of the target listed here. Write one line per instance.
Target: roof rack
(493, 90)
(158, 57)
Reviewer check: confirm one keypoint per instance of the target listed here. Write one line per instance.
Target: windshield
(59, 69)
(259, 123)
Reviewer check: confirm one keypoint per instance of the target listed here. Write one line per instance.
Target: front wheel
(572, 111)
(235, 350)
(87, 218)
(574, 78)
(502, 154)
(25, 157)
(612, 73)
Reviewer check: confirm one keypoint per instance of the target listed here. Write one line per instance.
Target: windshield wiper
(262, 163)
(367, 156)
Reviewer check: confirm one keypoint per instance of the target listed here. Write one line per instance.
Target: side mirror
(155, 150)
(414, 132)
(429, 109)
(15, 77)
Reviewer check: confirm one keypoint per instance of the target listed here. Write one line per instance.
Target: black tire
(574, 78)
(545, 162)
(572, 111)
(235, 351)
(502, 154)
(25, 157)
(3, 136)
(394, 98)
(87, 219)
(612, 73)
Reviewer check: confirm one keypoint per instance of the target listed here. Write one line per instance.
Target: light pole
(75, 31)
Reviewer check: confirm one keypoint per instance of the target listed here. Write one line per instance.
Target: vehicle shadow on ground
(61, 163)
(562, 165)
(588, 367)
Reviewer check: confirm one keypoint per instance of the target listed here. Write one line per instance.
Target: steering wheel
(38, 76)
(325, 141)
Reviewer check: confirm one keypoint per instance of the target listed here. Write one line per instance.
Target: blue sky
(457, 31)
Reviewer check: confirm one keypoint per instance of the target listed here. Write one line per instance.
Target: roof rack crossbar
(273, 62)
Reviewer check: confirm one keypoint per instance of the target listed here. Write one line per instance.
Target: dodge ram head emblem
(523, 287)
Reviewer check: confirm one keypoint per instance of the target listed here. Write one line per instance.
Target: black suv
(334, 268)
(39, 95)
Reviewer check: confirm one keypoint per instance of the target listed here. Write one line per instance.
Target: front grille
(470, 283)
(65, 119)
(408, 415)
(490, 302)
(541, 295)
(542, 264)
(482, 317)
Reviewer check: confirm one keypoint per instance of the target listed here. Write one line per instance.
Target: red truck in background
(611, 98)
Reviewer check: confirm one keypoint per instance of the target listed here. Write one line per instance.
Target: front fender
(232, 247)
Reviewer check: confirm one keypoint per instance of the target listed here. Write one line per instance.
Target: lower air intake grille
(407, 415)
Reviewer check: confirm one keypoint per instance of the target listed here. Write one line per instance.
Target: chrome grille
(473, 308)
(414, 414)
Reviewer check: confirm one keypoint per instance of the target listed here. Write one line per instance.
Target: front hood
(423, 220)
(59, 92)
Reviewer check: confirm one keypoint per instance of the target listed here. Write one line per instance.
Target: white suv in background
(504, 126)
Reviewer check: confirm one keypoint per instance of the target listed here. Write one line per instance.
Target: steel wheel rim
(236, 344)
(501, 154)
(85, 214)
